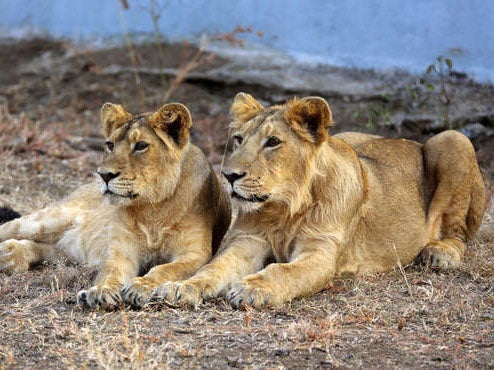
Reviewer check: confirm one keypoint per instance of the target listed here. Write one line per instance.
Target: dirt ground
(50, 95)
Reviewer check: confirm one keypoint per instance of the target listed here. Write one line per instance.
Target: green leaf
(449, 63)
(431, 68)
(430, 87)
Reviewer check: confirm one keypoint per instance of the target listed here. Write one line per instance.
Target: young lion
(155, 202)
(322, 205)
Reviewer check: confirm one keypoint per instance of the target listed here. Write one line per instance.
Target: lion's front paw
(14, 256)
(104, 296)
(184, 294)
(138, 292)
(252, 294)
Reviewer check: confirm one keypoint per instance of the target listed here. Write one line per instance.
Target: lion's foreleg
(310, 269)
(242, 255)
(190, 251)
(120, 264)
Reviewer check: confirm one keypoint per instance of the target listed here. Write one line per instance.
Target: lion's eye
(109, 145)
(238, 139)
(272, 141)
(140, 146)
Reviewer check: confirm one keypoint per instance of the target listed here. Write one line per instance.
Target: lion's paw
(247, 293)
(138, 292)
(103, 296)
(13, 256)
(183, 294)
(439, 255)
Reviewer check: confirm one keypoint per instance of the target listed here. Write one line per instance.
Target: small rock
(423, 124)
(475, 130)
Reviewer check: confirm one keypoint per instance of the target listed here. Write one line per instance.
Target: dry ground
(48, 129)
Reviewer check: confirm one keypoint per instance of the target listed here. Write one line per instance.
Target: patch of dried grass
(20, 134)
(30, 176)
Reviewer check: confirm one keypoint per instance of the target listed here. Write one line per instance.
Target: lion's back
(396, 166)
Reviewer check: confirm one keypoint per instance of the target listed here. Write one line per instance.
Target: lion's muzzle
(238, 191)
(117, 187)
(232, 176)
(106, 175)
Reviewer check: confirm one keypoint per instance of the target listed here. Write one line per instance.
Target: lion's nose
(232, 176)
(106, 175)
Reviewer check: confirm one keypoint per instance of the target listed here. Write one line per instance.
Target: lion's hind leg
(457, 198)
(44, 225)
(30, 239)
(20, 255)
(443, 254)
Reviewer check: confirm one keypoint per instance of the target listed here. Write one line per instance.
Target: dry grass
(38, 158)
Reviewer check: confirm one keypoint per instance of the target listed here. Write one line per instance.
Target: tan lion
(156, 206)
(321, 205)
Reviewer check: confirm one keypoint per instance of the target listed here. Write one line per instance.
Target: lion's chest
(282, 245)
(282, 234)
(154, 237)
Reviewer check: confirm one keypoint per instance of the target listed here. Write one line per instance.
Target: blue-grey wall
(406, 34)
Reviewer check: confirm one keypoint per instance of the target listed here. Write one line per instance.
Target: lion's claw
(138, 292)
(183, 294)
(440, 255)
(104, 297)
(244, 294)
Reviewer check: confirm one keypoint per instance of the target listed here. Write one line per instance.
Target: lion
(155, 207)
(312, 206)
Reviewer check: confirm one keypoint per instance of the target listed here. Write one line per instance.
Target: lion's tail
(8, 214)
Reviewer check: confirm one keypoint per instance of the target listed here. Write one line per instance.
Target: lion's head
(275, 150)
(142, 153)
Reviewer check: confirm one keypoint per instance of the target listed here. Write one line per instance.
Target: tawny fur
(161, 211)
(321, 205)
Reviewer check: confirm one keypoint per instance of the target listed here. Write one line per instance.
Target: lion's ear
(245, 107)
(113, 116)
(311, 116)
(175, 120)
